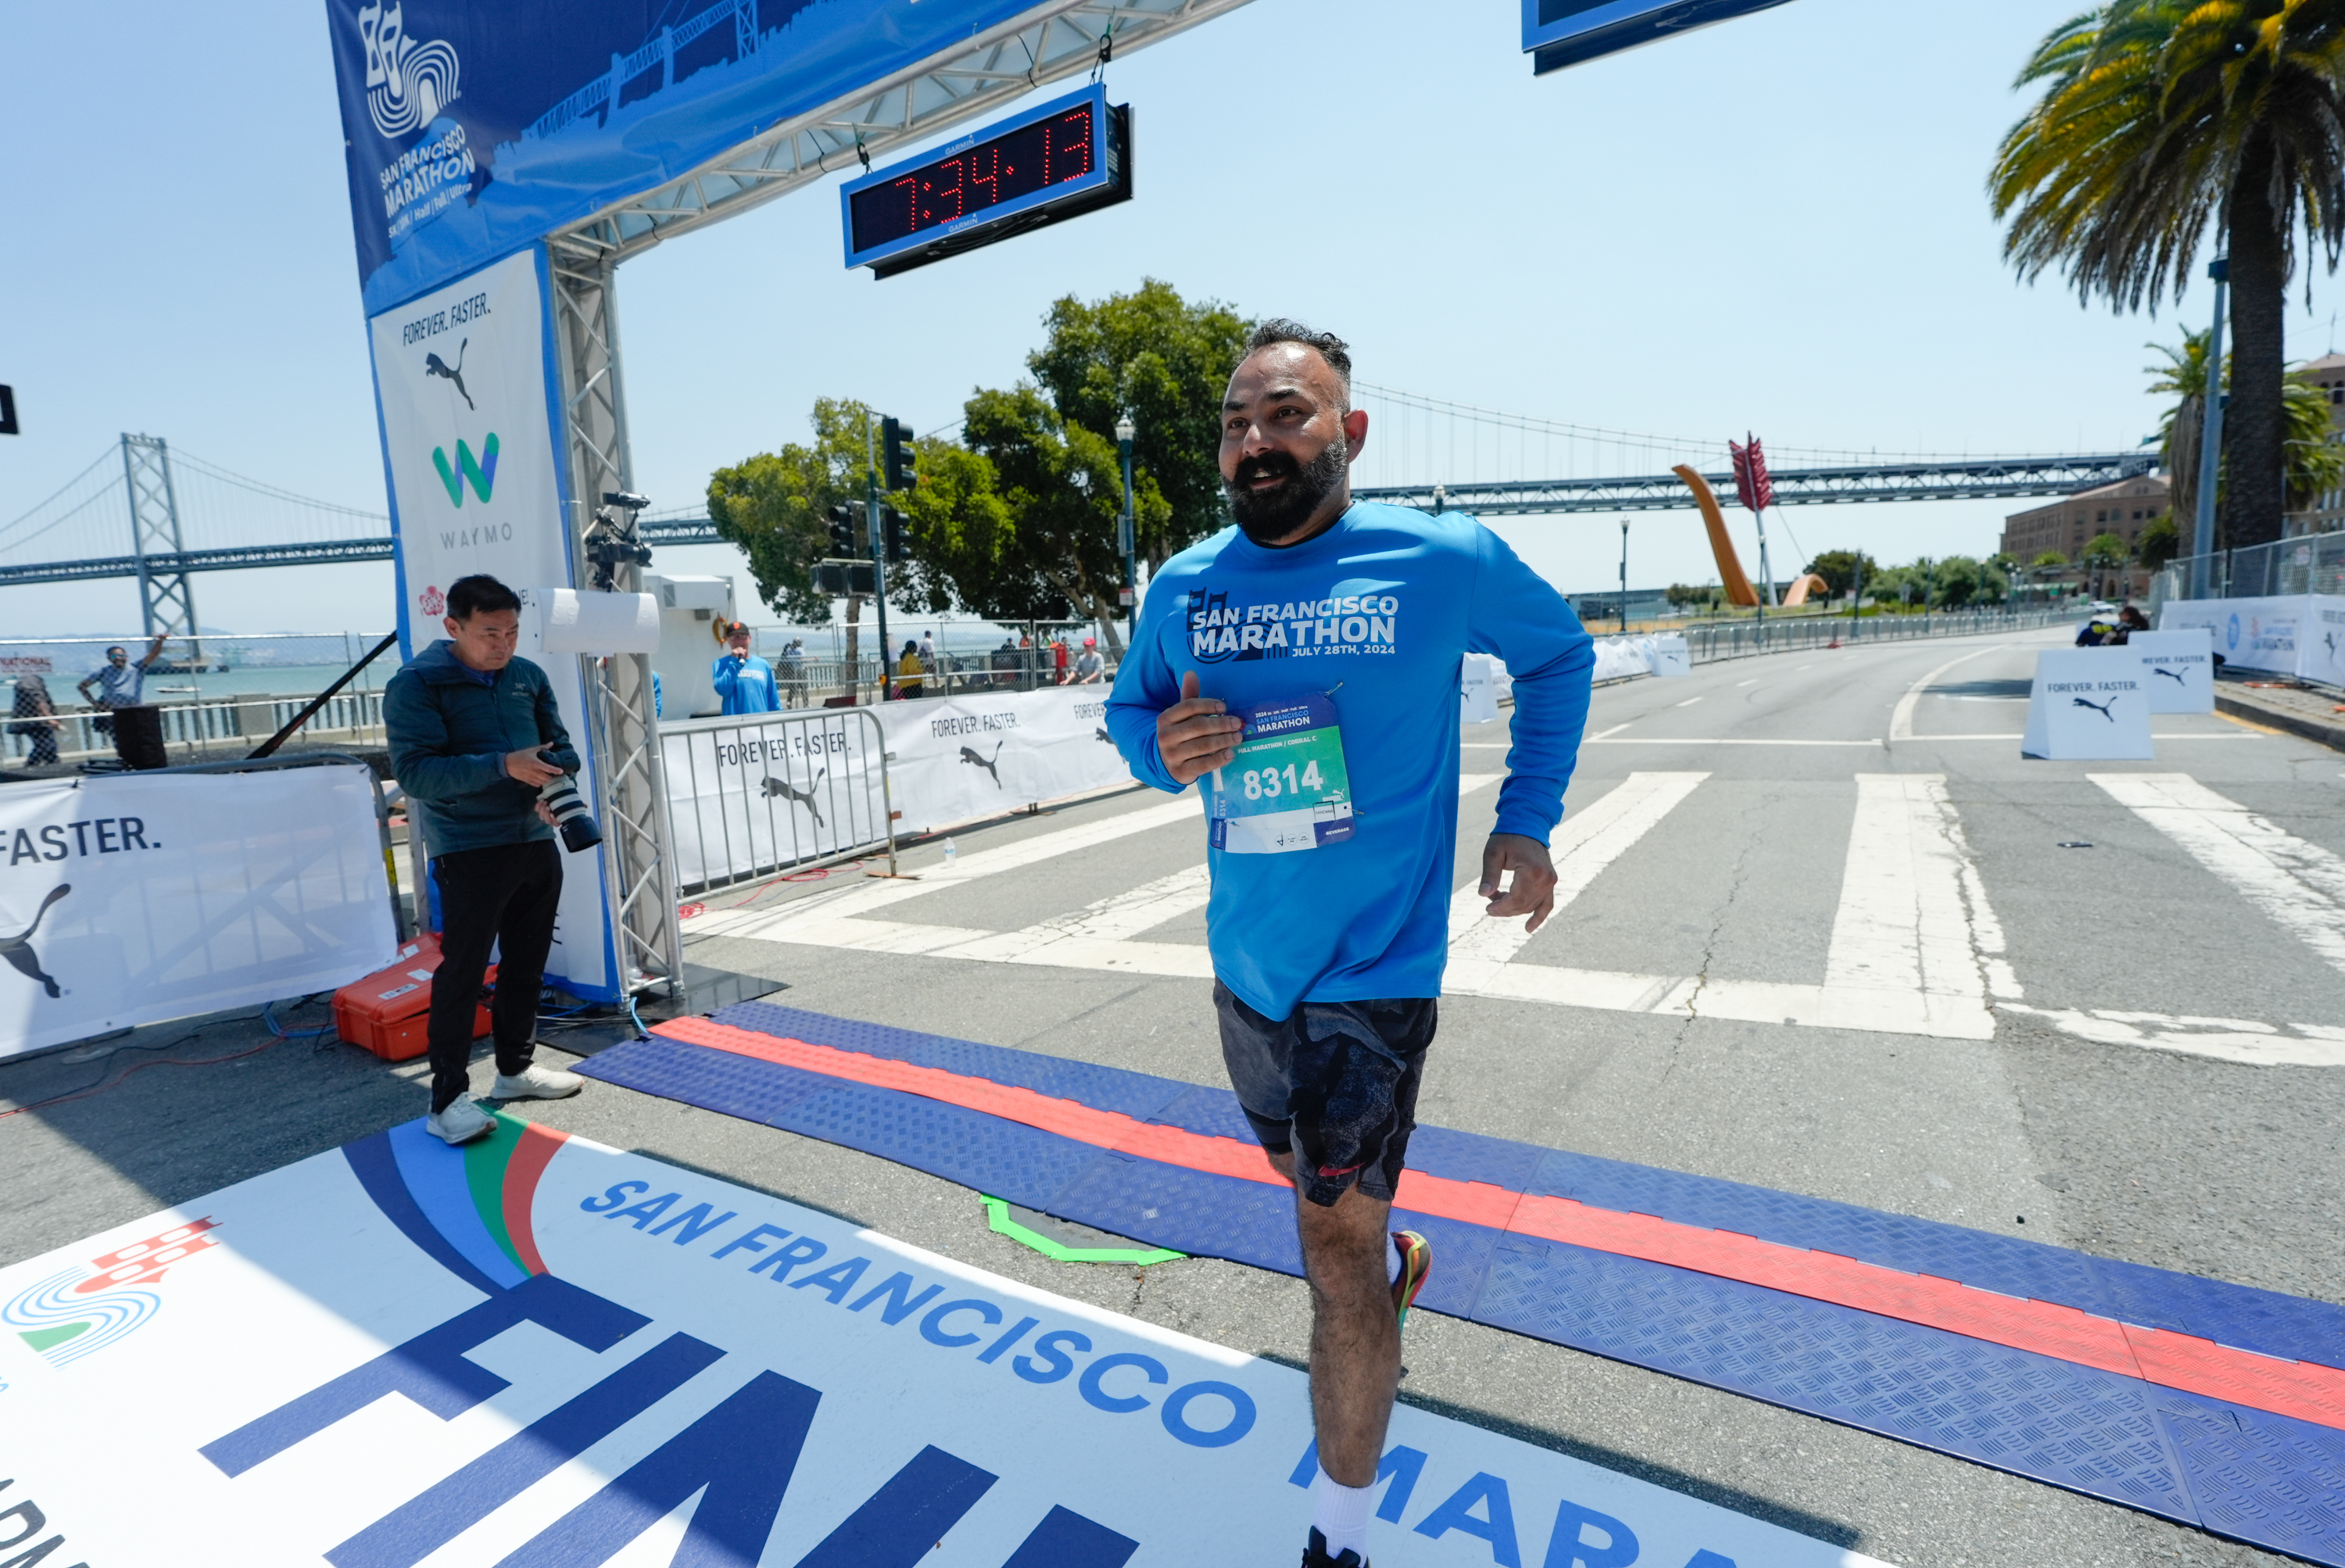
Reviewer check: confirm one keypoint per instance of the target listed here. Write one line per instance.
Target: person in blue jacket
(745, 683)
(1301, 669)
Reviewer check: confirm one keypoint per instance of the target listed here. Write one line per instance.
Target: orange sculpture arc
(1808, 584)
(1739, 590)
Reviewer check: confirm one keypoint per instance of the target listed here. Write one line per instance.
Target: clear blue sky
(1777, 224)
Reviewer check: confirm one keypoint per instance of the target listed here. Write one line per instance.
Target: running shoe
(1416, 1263)
(536, 1083)
(1314, 1555)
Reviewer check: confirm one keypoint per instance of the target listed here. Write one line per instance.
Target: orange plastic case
(388, 1012)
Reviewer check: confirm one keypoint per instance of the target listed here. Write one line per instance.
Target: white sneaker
(536, 1083)
(461, 1121)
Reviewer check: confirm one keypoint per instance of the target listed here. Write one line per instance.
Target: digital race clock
(1052, 163)
(1560, 32)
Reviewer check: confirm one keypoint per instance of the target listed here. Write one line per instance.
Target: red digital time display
(1033, 157)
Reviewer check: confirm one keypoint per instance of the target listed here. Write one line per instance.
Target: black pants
(503, 895)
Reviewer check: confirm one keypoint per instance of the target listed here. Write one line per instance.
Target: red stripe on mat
(2303, 1389)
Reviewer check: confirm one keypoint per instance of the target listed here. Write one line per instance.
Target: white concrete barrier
(2088, 705)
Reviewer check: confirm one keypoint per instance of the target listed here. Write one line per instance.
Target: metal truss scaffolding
(1044, 44)
(166, 600)
(639, 869)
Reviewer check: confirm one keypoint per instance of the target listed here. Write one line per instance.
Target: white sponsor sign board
(2088, 703)
(462, 379)
(545, 1352)
(2320, 645)
(2178, 667)
(1669, 655)
(957, 758)
(127, 899)
(1478, 687)
(2254, 634)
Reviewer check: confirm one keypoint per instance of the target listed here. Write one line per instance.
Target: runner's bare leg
(1354, 1335)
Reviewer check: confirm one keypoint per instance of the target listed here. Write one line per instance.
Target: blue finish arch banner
(471, 130)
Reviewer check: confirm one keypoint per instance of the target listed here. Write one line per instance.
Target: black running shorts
(1336, 1080)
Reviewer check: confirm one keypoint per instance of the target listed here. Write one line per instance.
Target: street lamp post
(1124, 531)
(1624, 576)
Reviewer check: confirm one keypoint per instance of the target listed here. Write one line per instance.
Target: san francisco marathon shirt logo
(1307, 629)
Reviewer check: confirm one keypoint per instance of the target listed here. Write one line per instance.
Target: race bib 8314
(1286, 789)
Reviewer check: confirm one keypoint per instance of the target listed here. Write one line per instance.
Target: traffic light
(842, 530)
(891, 523)
(896, 436)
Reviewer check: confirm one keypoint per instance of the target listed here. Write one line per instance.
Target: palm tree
(2312, 461)
(2160, 117)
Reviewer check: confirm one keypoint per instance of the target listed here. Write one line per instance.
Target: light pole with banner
(1624, 576)
(1124, 540)
(2211, 439)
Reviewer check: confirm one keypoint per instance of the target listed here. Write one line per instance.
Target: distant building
(2328, 514)
(2125, 509)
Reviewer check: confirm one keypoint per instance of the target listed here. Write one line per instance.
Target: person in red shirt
(1058, 658)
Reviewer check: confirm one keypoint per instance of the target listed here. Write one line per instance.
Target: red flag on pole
(1752, 486)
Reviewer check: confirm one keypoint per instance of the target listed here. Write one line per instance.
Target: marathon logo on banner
(539, 1351)
(127, 900)
(2253, 634)
(2088, 703)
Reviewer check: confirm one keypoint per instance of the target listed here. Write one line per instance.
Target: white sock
(1340, 1513)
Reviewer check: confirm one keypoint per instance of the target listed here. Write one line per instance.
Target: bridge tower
(167, 597)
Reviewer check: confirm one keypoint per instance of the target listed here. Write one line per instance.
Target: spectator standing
(1059, 660)
(792, 667)
(36, 719)
(121, 683)
(1090, 668)
(908, 671)
(743, 684)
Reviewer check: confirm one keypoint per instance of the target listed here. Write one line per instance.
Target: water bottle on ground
(951, 853)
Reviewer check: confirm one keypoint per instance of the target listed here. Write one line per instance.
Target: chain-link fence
(2314, 563)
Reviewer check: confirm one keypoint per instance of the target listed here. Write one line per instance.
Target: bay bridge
(162, 516)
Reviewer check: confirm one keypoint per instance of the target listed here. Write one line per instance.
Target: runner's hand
(1195, 734)
(530, 769)
(1533, 891)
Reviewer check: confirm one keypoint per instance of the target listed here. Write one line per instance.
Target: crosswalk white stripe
(1902, 935)
(2299, 884)
(1585, 843)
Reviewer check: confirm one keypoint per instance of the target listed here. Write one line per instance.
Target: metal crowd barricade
(752, 794)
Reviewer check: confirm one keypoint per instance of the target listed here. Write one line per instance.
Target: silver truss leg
(167, 599)
(631, 789)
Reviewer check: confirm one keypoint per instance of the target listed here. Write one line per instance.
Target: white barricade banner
(2254, 634)
(2088, 703)
(127, 900)
(539, 1350)
(957, 758)
(1620, 657)
(2320, 646)
(1478, 687)
(2177, 669)
(1669, 654)
(758, 791)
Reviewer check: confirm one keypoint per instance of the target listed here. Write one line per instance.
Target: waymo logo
(407, 80)
(481, 476)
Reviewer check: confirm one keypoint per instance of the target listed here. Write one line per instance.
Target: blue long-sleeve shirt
(744, 685)
(1380, 610)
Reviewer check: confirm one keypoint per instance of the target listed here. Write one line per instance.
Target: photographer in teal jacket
(474, 736)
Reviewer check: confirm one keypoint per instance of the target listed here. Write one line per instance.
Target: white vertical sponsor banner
(2178, 668)
(464, 382)
(2089, 704)
(2321, 644)
(975, 756)
(129, 899)
(2254, 634)
(1478, 688)
(1669, 655)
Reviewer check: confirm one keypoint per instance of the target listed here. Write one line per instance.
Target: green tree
(1681, 595)
(1840, 568)
(1959, 580)
(2160, 117)
(959, 532)
(2104, 552)
(774, 505)
(2314, 463)
(2183, 377)
(2157, 545)
(1060, 489)
(1165, 363)
(2050, 558)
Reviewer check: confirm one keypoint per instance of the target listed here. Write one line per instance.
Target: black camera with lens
(579, 828)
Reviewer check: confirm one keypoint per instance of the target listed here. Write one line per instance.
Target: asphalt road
(1996, 1094)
